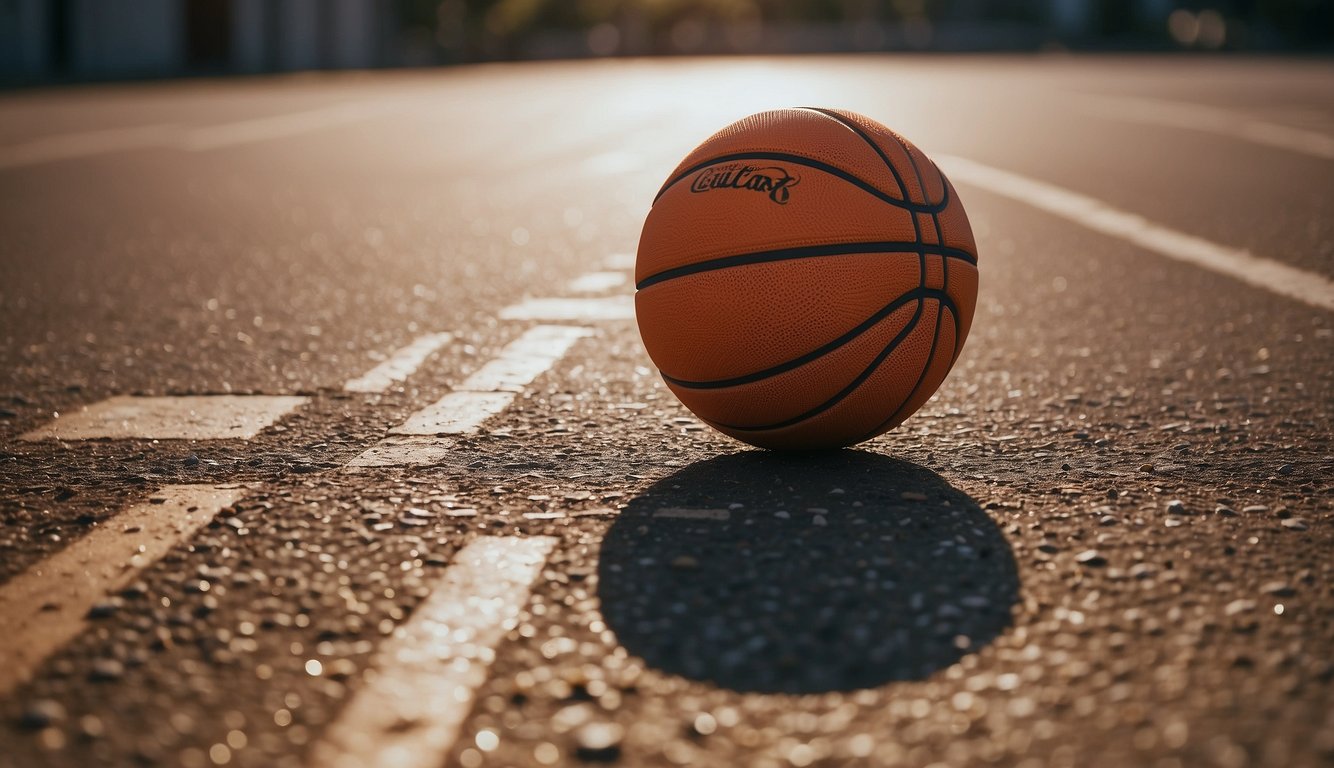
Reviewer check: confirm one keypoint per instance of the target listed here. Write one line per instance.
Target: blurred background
(43, 41)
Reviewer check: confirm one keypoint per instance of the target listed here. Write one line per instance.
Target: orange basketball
(806, 278)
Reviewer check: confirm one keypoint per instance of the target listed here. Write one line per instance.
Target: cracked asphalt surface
(1105, 541)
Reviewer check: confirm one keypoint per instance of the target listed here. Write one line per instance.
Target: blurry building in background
(98, 39)
(46, 40)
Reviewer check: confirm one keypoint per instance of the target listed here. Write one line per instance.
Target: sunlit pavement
(326, 436)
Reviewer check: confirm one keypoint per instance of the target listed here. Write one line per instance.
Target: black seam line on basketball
(942, 303)
(945, 268)
(917, 171)
(916, 225)
(832, 115)
(945, 275)
(903, 188)
(821, 351)
(803, 252)
(921, 377)
(958, 346)
(906, 205)
(843, 394)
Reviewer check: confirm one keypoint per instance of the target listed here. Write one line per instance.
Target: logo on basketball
(773, 180)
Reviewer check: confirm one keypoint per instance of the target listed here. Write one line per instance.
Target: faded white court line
(404, 452)
(191, 417)
(72, 146)
(457, 413)
(1199, 117)
(491, 388)
(488, 391)
(409, 713)
(1273, 276)
(47, 605)
(281, 126)
(598, 282)
(399, 366)
(525, 358)
(572, 310)
(613, 163)
(69, 146)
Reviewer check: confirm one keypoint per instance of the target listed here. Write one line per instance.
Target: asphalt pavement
(474, 528)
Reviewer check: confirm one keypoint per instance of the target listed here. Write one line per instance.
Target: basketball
(805, 279)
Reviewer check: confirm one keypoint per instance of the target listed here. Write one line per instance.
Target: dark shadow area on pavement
(765, 572)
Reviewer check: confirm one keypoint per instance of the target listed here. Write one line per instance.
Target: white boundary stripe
(426, 675)
(404, 452)
(488, 391)
(457, 413)
(399, 366)
(525, 358)
(1279, 278)
(1199, 117)
(69, 146)
(280, 126)
(598, 282)
(612, 163)
(491, 388)
(186, 417)
(572, 310)
(46, 606)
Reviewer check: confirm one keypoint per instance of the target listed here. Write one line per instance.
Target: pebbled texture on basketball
(806, 279)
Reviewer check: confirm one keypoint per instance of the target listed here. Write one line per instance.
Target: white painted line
(281, 126)
(195, 417)
(399, 366)
(69, 146)
(457, 413)
(403, 452)
(613, 163)
(409, 713)
(622, 261)
(46, 606)
(488, 391)
(1279, 278)
(598, 282)
(1199, 117)
(572, 310)
(525, 358)
(686, 513)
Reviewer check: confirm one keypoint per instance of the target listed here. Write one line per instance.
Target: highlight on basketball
(667, 383)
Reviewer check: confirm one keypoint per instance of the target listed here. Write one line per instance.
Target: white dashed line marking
(404, 452)
(399, 366)
(488, 391)
(46, 606)
(598, 282)
(1199, 117)
(1273, 276)
(426, 675)
(573, 310)
(613, 163)
(457, 413)
(281, 126)
(621, 261)
(196, 417)
(525, 358)
(70, 146)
